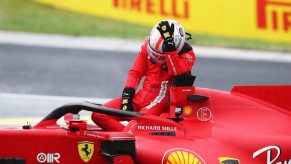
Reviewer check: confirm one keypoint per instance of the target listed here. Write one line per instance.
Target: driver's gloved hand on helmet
(127, 96)
(167, 32)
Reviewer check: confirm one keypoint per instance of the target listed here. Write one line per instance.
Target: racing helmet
(155, 44)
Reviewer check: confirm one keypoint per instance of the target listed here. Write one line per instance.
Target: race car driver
(162, 57)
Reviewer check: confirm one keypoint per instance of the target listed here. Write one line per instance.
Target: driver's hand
(127, 97)
(167, 32)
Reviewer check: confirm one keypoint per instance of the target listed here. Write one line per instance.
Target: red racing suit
(153, 97)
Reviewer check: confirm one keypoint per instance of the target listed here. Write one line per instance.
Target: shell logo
(181, 156)
(187, 110)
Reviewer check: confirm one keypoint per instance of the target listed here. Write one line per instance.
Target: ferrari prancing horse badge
(86, 150)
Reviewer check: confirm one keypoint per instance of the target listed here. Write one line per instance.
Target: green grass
(28, 16)
(25, 15)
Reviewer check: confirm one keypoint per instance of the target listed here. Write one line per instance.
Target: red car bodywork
(248, 125)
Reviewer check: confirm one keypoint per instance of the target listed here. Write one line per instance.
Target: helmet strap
(189, 36)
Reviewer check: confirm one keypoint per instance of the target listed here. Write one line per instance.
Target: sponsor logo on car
(86, 133)
(228, 160)
(156, 128)
(86, 150)
(48, 157)
(204, 114)
(273, 153)
(179, 155)
(187, 110)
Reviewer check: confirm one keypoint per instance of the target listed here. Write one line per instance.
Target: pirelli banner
(267, 20)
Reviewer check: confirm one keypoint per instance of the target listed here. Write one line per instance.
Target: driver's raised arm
(178, 61)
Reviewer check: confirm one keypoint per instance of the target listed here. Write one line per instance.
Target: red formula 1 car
(248, 125)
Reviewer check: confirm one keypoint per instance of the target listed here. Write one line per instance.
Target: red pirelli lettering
(275, 20)
(287, 21)
(176, 9)
(150, 7)
(135, 5)
(276, 14)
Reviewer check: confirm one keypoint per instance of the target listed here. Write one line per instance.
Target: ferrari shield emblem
(86, 150)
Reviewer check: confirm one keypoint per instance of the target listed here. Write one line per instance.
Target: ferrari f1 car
(248, 125)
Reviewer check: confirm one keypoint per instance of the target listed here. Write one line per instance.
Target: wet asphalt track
(100, 74)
